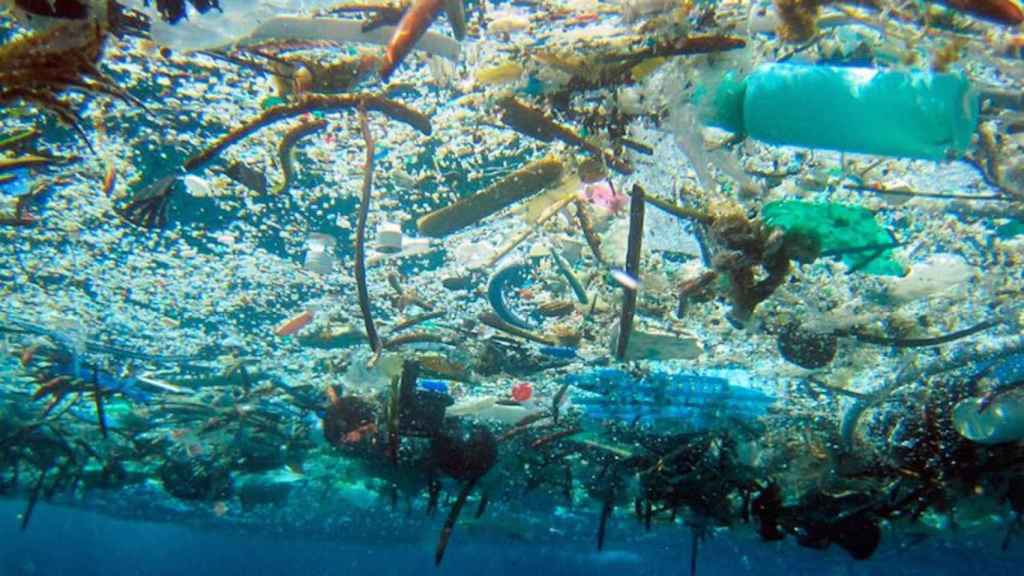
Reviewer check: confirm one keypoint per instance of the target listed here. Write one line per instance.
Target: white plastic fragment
(646, 344)
(197, 186)
(320, 253)
(934, 276)
(341, 30)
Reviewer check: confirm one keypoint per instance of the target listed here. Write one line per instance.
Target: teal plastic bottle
(912, 114)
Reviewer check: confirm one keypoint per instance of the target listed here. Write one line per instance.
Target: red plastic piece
(522, 392)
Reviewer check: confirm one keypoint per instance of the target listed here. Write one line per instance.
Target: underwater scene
(632, 287)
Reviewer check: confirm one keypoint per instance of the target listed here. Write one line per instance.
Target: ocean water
(554, 287)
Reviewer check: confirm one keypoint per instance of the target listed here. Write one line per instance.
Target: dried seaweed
(148, 208)
(413, 338)
(607, 505)
(415, 320)
(101, 415)
(36, 68)
(518, 185)
(926, 342)
(534, 123)
(19, 139)
(453, 517)
(33, 497)
(27, 161)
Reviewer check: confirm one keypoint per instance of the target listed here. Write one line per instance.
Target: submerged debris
(601, 264)
(36, 68)
(521, 184)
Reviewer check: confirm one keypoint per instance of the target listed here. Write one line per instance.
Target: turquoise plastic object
(912, 114)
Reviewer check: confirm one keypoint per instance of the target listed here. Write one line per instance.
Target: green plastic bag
(848, 232)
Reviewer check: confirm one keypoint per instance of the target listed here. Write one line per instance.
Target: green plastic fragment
(842, 230)
(270, 102)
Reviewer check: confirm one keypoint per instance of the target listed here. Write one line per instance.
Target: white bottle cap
(389, 238)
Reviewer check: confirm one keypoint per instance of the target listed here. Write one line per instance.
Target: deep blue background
(62, 541)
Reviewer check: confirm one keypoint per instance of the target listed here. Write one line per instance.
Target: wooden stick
(453, 517)
(629, 295)
(414, 320)
(518, 185)
(677, 210)
(533, 122)
(587, 226)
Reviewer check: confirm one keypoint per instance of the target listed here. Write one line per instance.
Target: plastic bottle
(912, 114)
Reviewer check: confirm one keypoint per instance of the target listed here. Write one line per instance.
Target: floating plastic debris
(996, 422)
(851, 232)
(556, 386)
(564, 352)
(691, 400)
(433, 385)
(935, 275)
(625, 279)
(320, 254)
(389, 238)
(294, 324)
(196, 186)
(912, 114)
(522, 392)
(514, 275)
(647, 344)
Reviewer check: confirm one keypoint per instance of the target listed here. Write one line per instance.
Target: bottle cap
(389, 238)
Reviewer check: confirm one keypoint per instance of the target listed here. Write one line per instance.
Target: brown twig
(414, 320)
(360, 244)
(545, 440)
(312, 103)
(413, 338)
(286, 146)
(534, 123)
(587, 226)
(497, 323)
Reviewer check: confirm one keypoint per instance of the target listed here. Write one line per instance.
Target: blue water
(64, 541)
